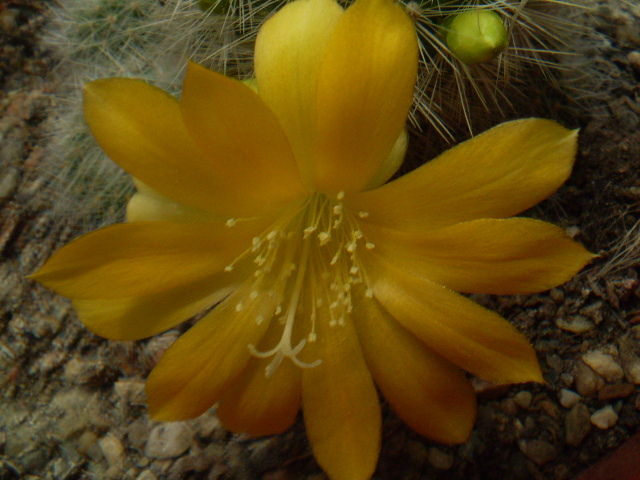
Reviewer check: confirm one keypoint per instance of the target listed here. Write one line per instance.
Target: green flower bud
(476, 36)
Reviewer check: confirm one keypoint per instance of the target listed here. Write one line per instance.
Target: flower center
(306, 261)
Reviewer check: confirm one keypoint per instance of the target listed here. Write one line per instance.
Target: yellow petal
(147, 205)
(202, 364)
(468, 335)
(393, 162)
(141, 258)
(259, 405)
(430, 394)
(497, 174)
(140, 127)
(365, 90)
(501, 257)
(340, 404)
(289, 49)
(134, 318)
(243, 139)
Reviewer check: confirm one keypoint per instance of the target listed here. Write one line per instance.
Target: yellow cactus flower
(326, 281)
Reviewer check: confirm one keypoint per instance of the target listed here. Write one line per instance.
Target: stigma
(306, 261)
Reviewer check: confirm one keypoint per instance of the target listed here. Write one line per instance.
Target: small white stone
(523, 399)
(587, 382)
(604, 364)
(604, 418)
(439, 459)
(575, 324)
(169, 440)
(568, 398)
(112, 450)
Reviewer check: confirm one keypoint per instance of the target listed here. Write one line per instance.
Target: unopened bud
(476, 36)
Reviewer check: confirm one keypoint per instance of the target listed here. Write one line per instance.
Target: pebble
(634, 60)
(208, 425)
(68, 464)
(131, 391)
(611, 392)
(629, 346)
(112, 450)
(577, 425)
(147, 475)
(183, 465)
(575, 324)
(439, 459)
(523, 399)
(555, 362)
(604, 364)
(88, 445)
(9, 183)
(138, 434)
(556, 295)
(540, 451)
(266, 454)
(169, 440)
(113, 473)
(472, 448)
(416, 453)
(568, 398)
(587, 382)
(604, 418)
(509, 406)
(161, 466)
(9, 19)
(237, 459)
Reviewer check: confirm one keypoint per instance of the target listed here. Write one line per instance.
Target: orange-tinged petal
(141, 258)
(497, 174)
(260, 405)
(202, 364)
(365, 90)
(429, 393)
(468, 335)
(147, 205)
(242, 137)
(140, 127)
(134, 318)
(340, 404)
(289, 50)
(501, 257)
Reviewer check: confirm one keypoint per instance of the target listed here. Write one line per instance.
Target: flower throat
(305, 262)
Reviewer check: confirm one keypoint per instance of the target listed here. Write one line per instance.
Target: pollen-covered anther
(324, 238)
(231, 222)
(309, 230)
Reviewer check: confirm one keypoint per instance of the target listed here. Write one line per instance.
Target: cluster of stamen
(306, 262)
